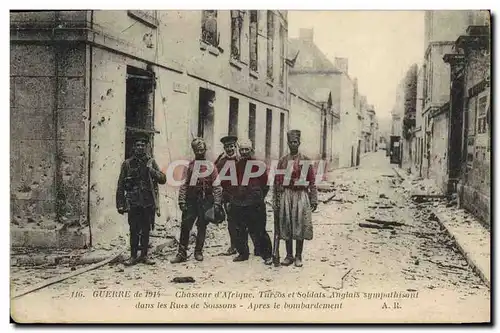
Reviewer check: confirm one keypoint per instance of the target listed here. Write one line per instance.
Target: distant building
(314, 72)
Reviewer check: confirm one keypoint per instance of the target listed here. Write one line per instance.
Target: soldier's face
(293, 144)
(199, 151)
(140, 148)
(245, 152)
(230, 149)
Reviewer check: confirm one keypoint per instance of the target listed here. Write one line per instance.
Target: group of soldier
(206, 200)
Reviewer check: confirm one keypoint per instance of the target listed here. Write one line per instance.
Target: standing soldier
(248, 206)
(229, 154)
(137, 195)
(195, 200)
(294, 202)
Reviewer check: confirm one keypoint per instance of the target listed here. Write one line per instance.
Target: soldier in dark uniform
(229, 154)
(137, 195)
(249, 208)
(195, 201)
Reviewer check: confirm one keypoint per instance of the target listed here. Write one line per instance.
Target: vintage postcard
(250, 166)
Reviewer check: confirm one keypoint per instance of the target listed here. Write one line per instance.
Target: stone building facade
(470, 110)
(442, 28)
(88, 79)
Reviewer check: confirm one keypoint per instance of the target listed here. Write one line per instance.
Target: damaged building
(87, 80)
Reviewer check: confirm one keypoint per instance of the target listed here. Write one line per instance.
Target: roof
(310, 56)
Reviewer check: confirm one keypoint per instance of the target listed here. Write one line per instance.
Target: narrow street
(414, 255)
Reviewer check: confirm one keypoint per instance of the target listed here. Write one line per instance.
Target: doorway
(139, 107)
(206, 115)
(323, 140)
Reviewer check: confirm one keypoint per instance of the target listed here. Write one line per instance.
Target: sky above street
(380, 45)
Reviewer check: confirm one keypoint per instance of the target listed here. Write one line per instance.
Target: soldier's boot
(200, 242)
(131, 261)
(133, 258)
(298, 253)
(133, 251)
(143, 259)
(180, 256)
(178, 259)
(240, 257)
(198, 256)
(289, 254)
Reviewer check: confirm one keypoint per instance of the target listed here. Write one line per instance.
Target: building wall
(49, 127)
(476, 184)
(349, 131)
(307, 117)
(439, 152)
(91, 85)
(419, 124)
(446, 25)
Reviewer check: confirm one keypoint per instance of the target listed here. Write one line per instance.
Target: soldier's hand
(183, 207)
(314, 207)
(121, 210)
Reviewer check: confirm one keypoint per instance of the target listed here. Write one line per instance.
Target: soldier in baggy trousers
(294, 201)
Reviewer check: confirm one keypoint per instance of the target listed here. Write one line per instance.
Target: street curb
(468, 257)
(472, 263)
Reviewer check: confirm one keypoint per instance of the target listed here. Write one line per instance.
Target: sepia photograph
(250, 166)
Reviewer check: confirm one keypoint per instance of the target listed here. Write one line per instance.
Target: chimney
(342, 64)
(306, 34)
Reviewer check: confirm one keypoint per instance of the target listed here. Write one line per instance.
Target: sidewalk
(472, 238)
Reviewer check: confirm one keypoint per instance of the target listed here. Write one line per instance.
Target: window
(209, 27)
(270, 44)
(251, 123)
(233, 116)
(269, 133)
(254, 28)
(236, 24)
(282, 55)
(424, 94)
(206, 114)
(482, 126)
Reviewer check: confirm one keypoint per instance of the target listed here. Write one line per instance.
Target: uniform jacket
(219, 164)
(204, 189)
(251, 194)
(279, 180)
(136, 185)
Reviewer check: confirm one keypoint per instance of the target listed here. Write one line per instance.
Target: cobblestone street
(345, 261)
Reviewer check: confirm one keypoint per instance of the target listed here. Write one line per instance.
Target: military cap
(197, 142)
(228, 139)
(245, 143)
(140, 136)
(293, 134)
